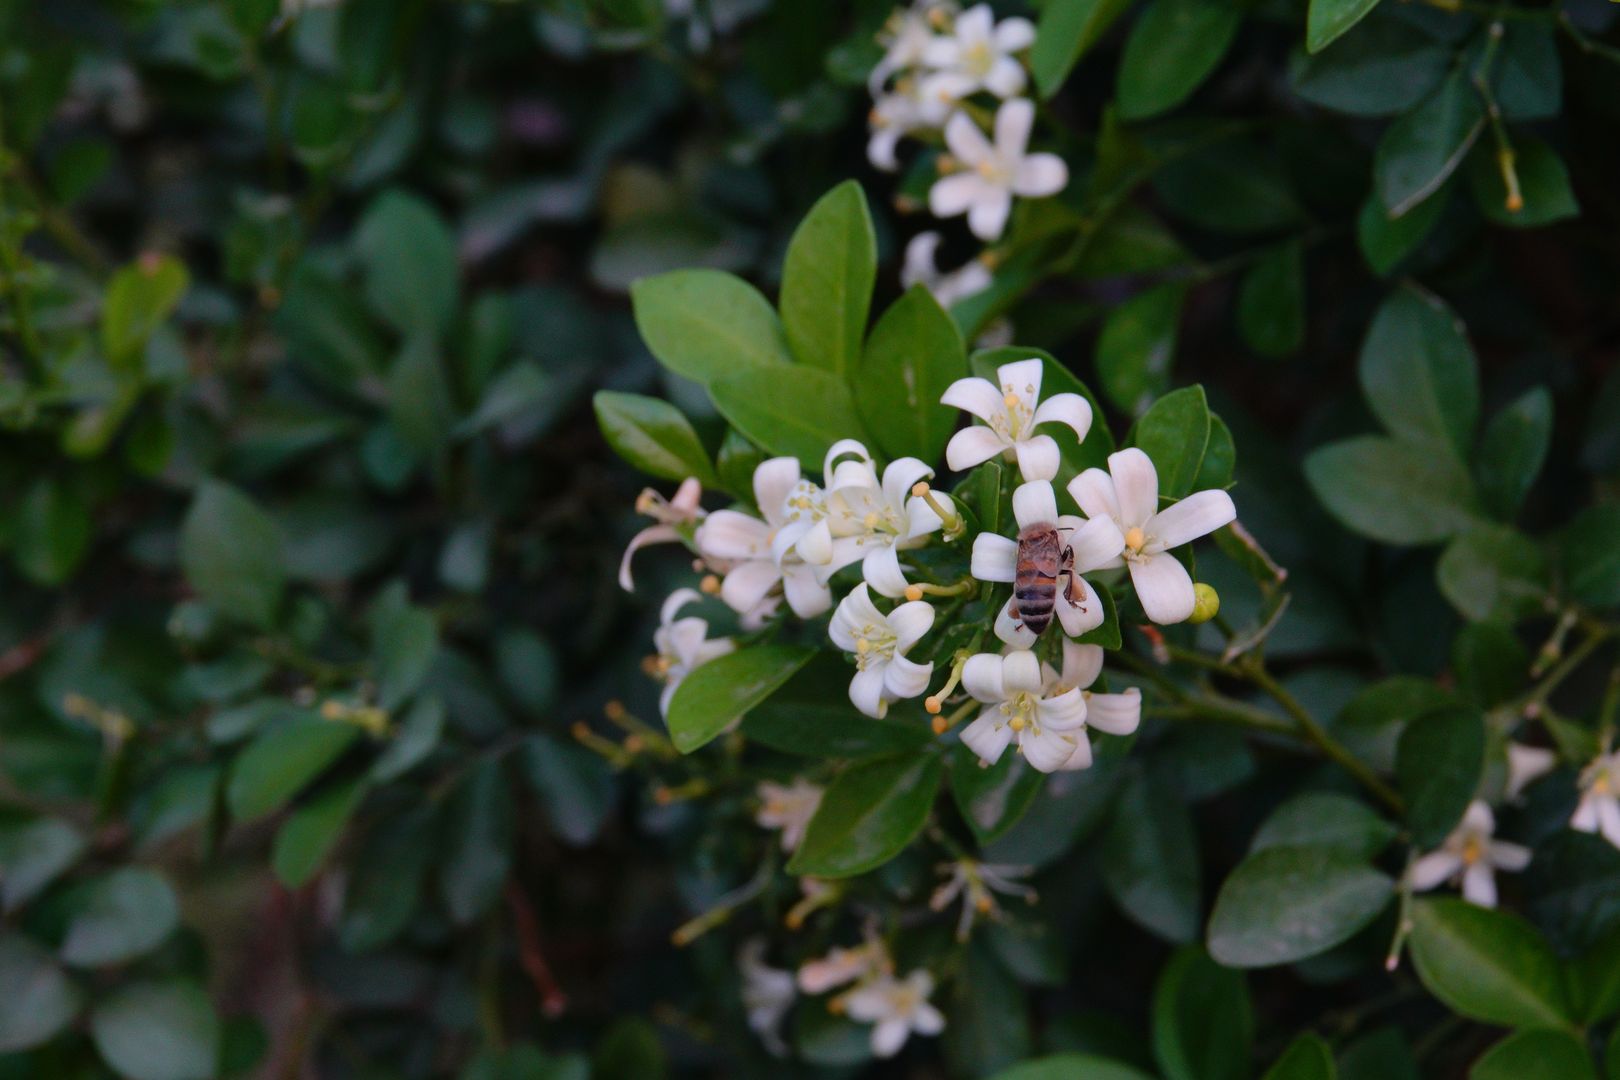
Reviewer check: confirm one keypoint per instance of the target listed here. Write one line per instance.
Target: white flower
(979, 882)
(763, 553)
(767, 994)
(1471, 854)
(1526, 765)
(788, 808)
(1129, 494)
(682, 644)
(989, 175)
(920, 268)
(978, 53)
(1012, 411)
(897, 1007)
(1115, 714)
(842, 966)
(879, 642)
(905, 39)
(683, 509)
(1019, 706)
(1599, 809)
(1096, 543)
(913, 105)
(871, 520)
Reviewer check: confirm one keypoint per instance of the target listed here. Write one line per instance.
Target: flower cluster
(956, 75)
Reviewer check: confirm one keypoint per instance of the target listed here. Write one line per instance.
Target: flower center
(977, 59)
(1473, 850)
(1020, 712)
(874, 644)
(1135, 538)
(1014, 421)
(1602, 782)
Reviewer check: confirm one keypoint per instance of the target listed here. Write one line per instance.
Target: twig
(553, 1002)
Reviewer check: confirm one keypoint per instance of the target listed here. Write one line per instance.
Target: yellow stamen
(710, 584)
(1135, 538)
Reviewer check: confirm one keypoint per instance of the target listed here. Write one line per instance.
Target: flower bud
(1206, 603)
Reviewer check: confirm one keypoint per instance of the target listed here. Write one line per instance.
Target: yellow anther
(933, 706)
(710, 584)
(1135, 538)
(634, 744)
(1472, 850)
(645, 501)
(920, 488)
(939, 725)
(863, 646)
(1011, 400)
(871, 519)
(985, 905)
(1016, 723)
(332, 710)
(913, 592)
(945, 164)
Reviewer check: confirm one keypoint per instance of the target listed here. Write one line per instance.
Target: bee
(1043, 558)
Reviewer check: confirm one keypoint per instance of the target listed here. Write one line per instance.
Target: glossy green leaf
(34, 854)
(52, 532)
(1487, 965)
(1287, 903)
(799, 411)
(1589, 553)
(992, 799)
(811, 715)
(1393, 491)
(1071, 1067)
(868, 815)
(1387, 241)
(1307, 1058)
(39, 1000)
(1326, 20)
(1438, 765)
(409, 259)
(1513, 450)
(1175, 434)
(1066, 31)
(1203, 1022)
(1322, 819)
(1419, 373)
(706, 323)
(385, 882)
(1149, 860)
(914, 354)
(1271, 302)
(281, 761)
(1383, 67)
(1423, 148)
(415, 736)
(652, 435)
(125, 914)
(1172, 49)
(1545, 194)
(310, 832)
(232, 554)
(163, 1030)
(1493, 572)
(827, 279)
(1236, 186)
(1546, 1055)
(1137, 346)
(723, 690)
(139, 298)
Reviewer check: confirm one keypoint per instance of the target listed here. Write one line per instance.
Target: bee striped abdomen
(1036, 574)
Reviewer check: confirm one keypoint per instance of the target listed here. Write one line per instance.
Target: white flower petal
(1097, 543)
(1006, 77)
(1064, 712)
(952, 195)
(685, 638)
(921, 519)
(652, 534)
(1020, 671)
(901, 476)
(1034, 503)
(1526, 765)
(1070, 409)
(1014, 34)
(674, 602)
(1048, 750)
(986, 737)
(1479, 885)
(774, 481)
(904, 678)
(1012, 630)
(972, 446)
(1080, 757)
(1115, 714)
(1093, 492)
(866, 691)
(816, 545)
(1609, 819)
(1433, 870)
(844, 448)
(1477, 818)
(747, 583)
(1022, 377)
(889, 1036)
(855, 612)
(988, 213)
(1040, 175)
(1164, 588)
(921, 264)
(806, 595)
(881, 569)
(1508, 856)
(995, 558)
(731, 535)
(1136, 486)
(1199, 514)
(1013, 123)
(981, 678)
(1081, 664)
(967, 143)
(881, 146)
(1077, 619)
(1038, 457)
(910, 621)
(976, 396)
(927, 1020)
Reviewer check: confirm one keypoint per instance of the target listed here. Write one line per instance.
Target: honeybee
(1043, 557)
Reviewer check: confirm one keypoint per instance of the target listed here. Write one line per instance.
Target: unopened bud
(1206, 603)
(913, 592)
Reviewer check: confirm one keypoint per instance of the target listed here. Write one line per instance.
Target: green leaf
(231, 553)
(420, 408)
(1172, 49)
(404, 641)
(1071, 1067)
(1284, 904)
(1589, 551)
(1175, 434)
(1419, 373)
(1322, 819)
(1056, 379)
(1326, 20)
(327, 330)
(310, 833)
(811, 715)
(477, 842)
(1528, 77)
(868, 815)
(385, 882)
(139, 298)
(1386, 240)
(1383, 67)
(827, 279)
(409, 259)
(705, 323)
(34, 854)
(1420, 150)
(574, 784)
(1438, 764)
(915, 353)
(1546, 1055)
(413, 740)
(1487, 965)
(1512, 451)
(1203, 1022)
(1307, 1058)
(36, 999)
(1235, 187)
(799, 411)
(158, 1031)
(1594, 980)
(1382, 1054)
(1544, 188)
(1066, 31)
(1149, 860)
(1393, 491)
(993, 799)
(1137, 346)
(125, 914)
(52, 532)
(1271, 302)
(1220, 461)
(281, 761)
(1493, 572)
(652, 435)
(719, 692)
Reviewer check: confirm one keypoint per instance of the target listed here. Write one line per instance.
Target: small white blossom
(1129, 494)
(897, 1007)
(789, 808)
(1095, 544)
(1471, 855)
(767, 994)
(683, 644)
(871, 520)
(921, 268)
(683, 509)
(977, 883)
(978, 54)
(1011, 408)
(1599, 808)
(842, 966)
(1526, 765)
(762, 554)
(879, 642)
(905, 39)
(1114, 714)
(988, 174)
(913, 105)
(1018, 706)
